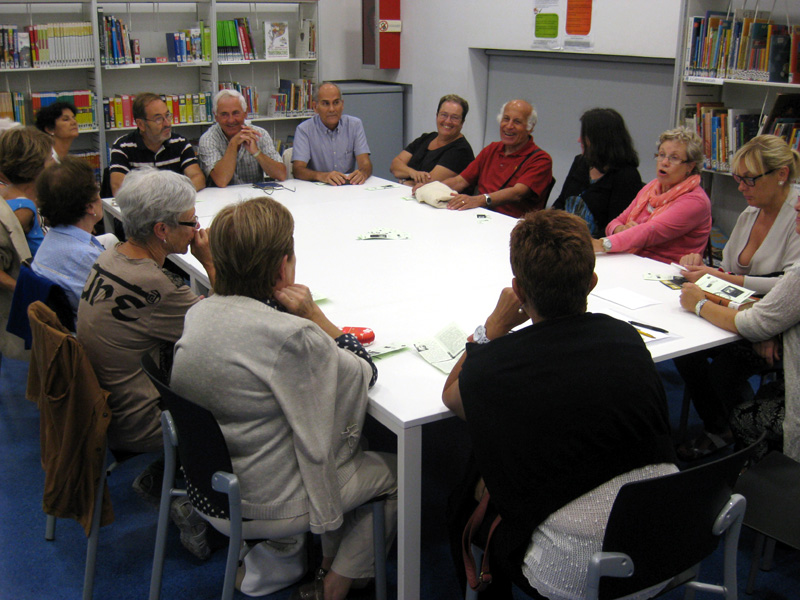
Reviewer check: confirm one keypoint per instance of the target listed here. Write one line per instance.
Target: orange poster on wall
(579, 17)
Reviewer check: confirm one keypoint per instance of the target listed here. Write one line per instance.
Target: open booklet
(725, 293)
(443, 349)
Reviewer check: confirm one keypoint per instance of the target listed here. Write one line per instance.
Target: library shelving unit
(148, 22)
(697, 82)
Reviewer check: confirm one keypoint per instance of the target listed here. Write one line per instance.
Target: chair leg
(167, 484)
(379, 547)
(50, 528)
(684, 420)
(94, 538)
(758, 551)
(769, 553)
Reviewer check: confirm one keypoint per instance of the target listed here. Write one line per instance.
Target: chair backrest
(30, 288)
(547, 191)
(287, 160)
(665, 524)
(201, 445)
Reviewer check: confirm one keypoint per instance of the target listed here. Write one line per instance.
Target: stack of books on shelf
(189, 45)
(742, 45)
(185, 109)
(23, 107)
(13, 106)
(83, 100)
(250, 96)
(293, 99)
(93, 158)
(724, 129)
(116, 46)
(235, 40)
(47, 45)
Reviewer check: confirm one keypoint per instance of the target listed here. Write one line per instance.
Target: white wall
(439, 38)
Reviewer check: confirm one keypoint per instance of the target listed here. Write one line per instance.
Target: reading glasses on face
(751, 181)
(159, 119)
(194, 223)
(673, 160)
(448, 117)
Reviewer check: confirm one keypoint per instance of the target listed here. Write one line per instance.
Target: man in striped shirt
(153, 144)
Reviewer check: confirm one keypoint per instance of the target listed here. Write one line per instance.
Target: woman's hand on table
(419, 178)
(506, 315)
(769, 350)
(464, 202)
(690, 296)
(691, 260)
(693, 273)
(621, 228)
(597, 245)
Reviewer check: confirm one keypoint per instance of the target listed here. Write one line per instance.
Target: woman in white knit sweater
(773, 323)
(289, 391)
(762, 246)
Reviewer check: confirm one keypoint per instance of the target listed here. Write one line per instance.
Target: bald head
(328, 104)
(520, 105)
(516, 120)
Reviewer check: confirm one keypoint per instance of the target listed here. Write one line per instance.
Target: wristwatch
(479, 337)
(488, 200)
(606, 244)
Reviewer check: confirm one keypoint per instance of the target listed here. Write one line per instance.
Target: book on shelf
(741, 45)
(276, 39)
(185, 109)
(249, 93)
(306, 42)
(234, 40)
(785, 106)
(46, 45)
(723, 130)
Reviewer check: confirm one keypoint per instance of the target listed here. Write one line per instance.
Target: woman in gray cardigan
(289, 391)
(773, 324)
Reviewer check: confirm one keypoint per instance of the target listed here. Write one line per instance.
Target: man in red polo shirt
(513, 175)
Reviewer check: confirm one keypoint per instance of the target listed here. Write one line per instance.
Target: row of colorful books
(23, 107)
(185, 108)
(235, 40)
(724, 129)
(293, 98)
(116, 46)
(46, 45)
(742, 45)
(189, 45)
(250, 95)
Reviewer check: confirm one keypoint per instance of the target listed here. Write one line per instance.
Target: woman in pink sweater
(671, 215)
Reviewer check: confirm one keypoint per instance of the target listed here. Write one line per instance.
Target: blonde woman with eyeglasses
(762, 245)
(671, 215)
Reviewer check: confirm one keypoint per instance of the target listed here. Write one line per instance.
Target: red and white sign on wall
(380, 33)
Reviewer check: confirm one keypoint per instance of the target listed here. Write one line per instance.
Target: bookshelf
(156, 67)
(712, 68)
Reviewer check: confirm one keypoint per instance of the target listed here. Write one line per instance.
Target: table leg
(409, 522)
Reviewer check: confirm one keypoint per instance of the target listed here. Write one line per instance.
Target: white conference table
(452, 269)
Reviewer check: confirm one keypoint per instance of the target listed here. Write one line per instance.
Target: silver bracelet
(699, 306)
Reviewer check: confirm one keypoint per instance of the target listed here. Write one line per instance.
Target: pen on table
(646, 326)
(644, 333)
(679, 267)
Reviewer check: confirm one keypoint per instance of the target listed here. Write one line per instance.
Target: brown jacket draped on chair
(73, 420)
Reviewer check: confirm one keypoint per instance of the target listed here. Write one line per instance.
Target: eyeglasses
(751, 181)
(448, 117)
(159, 119)
(194, 223)
(673, 160)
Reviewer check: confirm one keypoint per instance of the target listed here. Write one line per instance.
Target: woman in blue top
(24, 153)
(70, 201)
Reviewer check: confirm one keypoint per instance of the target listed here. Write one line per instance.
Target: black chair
(212, 485)
(660, 529)
(772, 489)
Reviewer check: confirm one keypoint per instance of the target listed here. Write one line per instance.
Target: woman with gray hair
(131, 306)
(675, 209)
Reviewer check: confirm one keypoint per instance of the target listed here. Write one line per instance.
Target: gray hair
(532, 118)
(228, 94)
(149, 196)
(690, 139)
(319, 87)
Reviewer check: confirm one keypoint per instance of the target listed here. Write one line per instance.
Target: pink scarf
(651, 195)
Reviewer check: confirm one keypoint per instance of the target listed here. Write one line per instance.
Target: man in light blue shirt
(331, 147)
